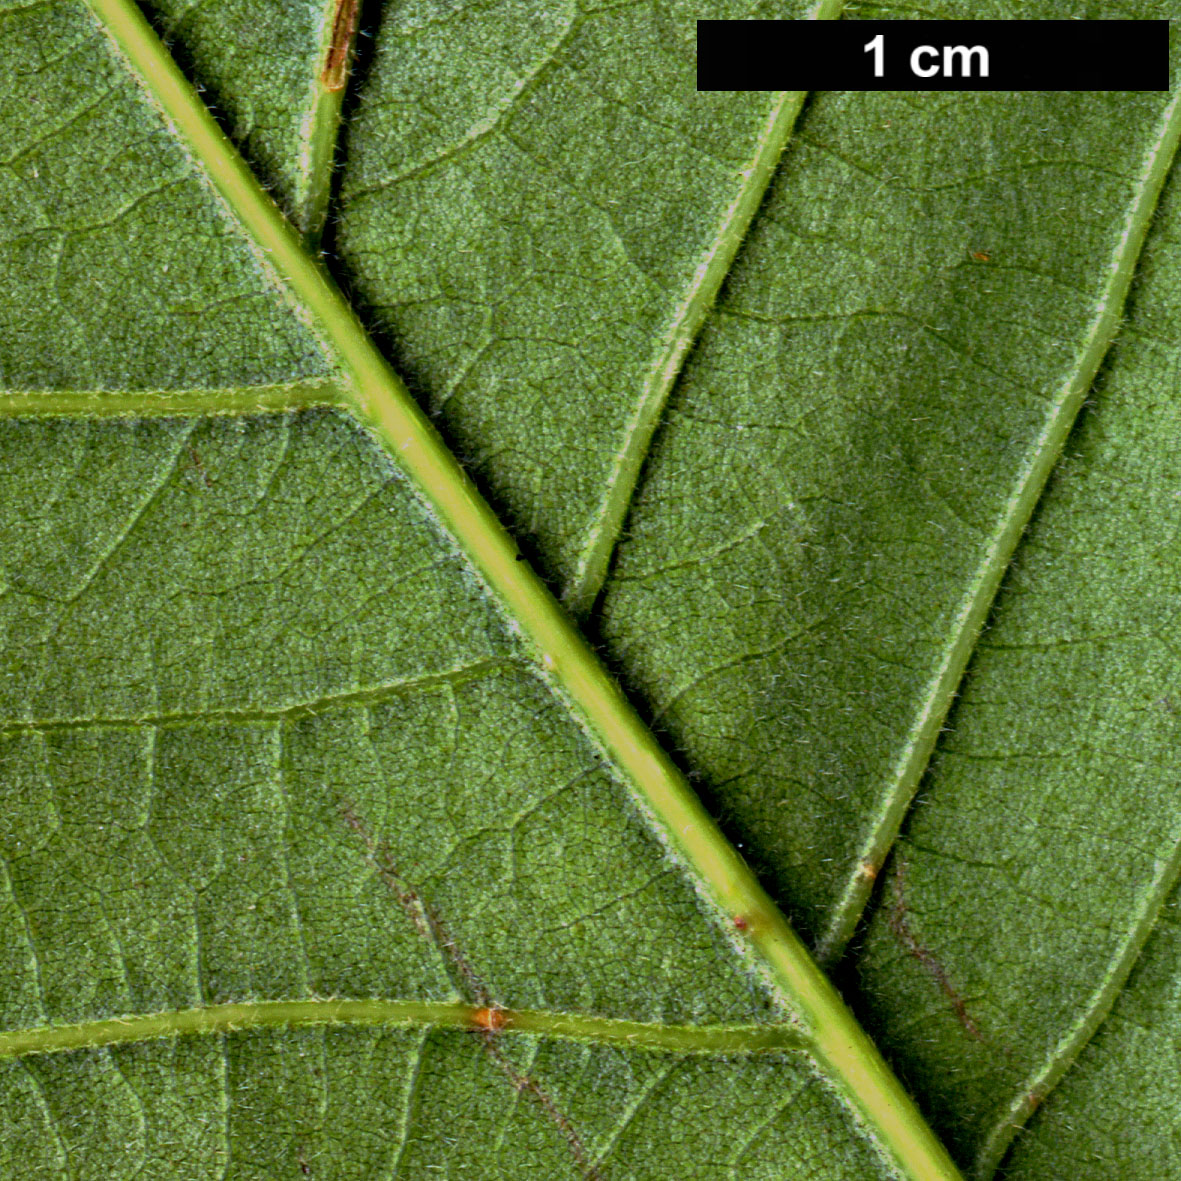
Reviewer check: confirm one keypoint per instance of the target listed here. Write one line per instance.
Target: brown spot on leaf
(344, 27)
(899, 924)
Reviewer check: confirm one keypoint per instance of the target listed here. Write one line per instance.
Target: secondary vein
(261, 399)
(684, 325)
(1030, 482)
(349, 699)
(337, 37)
(1062, 1055)
(235, 1018)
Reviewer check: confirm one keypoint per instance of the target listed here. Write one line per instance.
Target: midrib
(822, 1024)
(237, 1018)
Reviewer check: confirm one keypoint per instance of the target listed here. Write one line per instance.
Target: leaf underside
(264, 735)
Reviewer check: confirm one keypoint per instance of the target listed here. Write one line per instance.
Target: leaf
(857, 541)
(804, 574)
(483, 169)
(1048, 823)
(267, 74)
(844, 470)
(215, 632)
(300, 755)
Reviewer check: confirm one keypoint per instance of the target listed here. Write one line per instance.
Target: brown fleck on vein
(488, 1021)
(344, 26)
(898, 923)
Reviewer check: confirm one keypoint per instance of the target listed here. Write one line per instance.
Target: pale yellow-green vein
(265, 399)
(382, 402)
(683, 327)
(337, 34)
(236, 1018)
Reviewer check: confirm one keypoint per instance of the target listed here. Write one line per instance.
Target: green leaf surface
(264, 69)
(818, 525)
(855, 447)
(539, 220)
(1047, 841)
(299, 755)
(310, 808)
(328, 849)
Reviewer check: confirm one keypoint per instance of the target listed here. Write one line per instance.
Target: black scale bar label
(932, 55)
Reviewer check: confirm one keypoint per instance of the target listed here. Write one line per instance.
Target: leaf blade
(262, 69)
(814, 560)
(1063, 724)
(254, 767)
(507, 185)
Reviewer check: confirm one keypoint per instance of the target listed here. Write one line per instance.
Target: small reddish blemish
(344, 26)
(490, 1020)
(868, 870)
(199, 466)
(741, 923)
(981, 255)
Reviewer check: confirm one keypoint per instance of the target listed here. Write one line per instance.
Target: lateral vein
(375, 695)
(263, 399)
(235, 1018)
(683, 328)
(1028, 486)
(1061, 1057)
